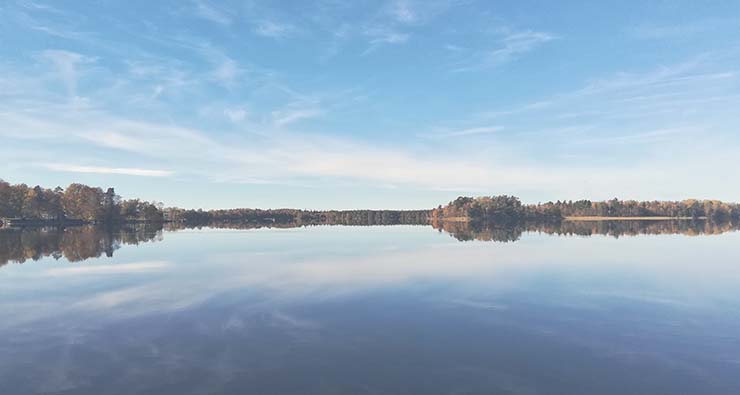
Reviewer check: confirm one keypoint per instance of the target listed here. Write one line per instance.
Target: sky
(394, 104)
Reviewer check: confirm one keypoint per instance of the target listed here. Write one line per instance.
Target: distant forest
(80, 203)
(76, 203)
(509, 208)
(299, 217)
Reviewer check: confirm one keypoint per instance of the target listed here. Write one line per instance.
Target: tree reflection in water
(465, 231)
(73, 243)
(85, 242)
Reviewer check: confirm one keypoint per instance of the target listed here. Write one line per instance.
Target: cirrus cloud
(128, 171)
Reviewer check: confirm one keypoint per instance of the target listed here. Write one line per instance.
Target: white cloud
(288, 158)
(129, 171)
(257, 150)
(151, 139)
(113, 139)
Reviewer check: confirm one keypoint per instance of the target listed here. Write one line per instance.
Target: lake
(641, 308)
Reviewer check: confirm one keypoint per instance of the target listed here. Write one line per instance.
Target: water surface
(378, 310)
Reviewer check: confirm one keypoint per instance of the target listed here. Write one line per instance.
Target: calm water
(376, 310)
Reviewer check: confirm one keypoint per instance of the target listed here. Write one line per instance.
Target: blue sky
(394, 104)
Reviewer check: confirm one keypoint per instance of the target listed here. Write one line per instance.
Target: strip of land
(78, 204)
(598, 218)
(456, 219)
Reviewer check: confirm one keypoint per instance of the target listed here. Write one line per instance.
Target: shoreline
(7, 222)
(14, 222)
(599, 218)
(451, 219)
(590, 218)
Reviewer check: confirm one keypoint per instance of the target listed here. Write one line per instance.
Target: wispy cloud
(128, 171)
(36, 6)
(680, 88)
(152, 103)
(651, 136)
(292, 115)
(66, 64)
(463, 132)
(415, 12)
(237, 114)
(279, 158)
(474, 131)
(402, 11)
(454, 48)
(43, 18)
(50, 28)
(511, 46)
(682, 30)
(151, 139)
(518, 43)
(382, 35)
(227, 72)
(379, 36)
(282, 157)
(210, 12)
(267, 28)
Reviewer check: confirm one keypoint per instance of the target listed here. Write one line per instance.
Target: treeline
(296, 217)
(691, 208)
(80, 203)
(502, 209)
(85, 204)
(76, 203)
(509, 208)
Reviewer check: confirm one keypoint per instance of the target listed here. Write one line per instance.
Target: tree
(83, 202)
(111, 206)
(33, 204)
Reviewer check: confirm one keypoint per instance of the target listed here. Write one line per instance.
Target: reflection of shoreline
(75, 243)
(79, 243)
(482, 231)
(466, 231)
